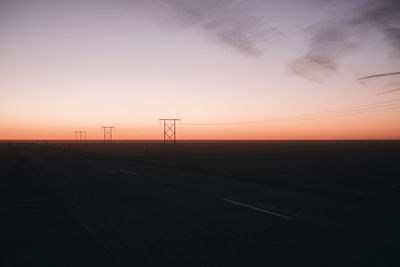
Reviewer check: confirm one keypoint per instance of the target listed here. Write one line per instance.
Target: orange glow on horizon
(367, 127)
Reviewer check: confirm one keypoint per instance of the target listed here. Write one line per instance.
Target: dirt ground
(361, 167)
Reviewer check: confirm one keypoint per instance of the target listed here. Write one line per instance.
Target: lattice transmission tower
(108, 133)
(170, 130)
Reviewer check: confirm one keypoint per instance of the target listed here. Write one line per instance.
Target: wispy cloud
(330, 43)
(388, 91)
(236, 23)
(383, 16)
(379, 75)
(387, 84)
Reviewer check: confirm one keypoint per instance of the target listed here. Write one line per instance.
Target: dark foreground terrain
(200, 204)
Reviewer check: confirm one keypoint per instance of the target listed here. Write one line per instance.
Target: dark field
(362, 167)
(201, 203)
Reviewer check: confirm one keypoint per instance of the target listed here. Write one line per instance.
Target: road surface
(143, 214)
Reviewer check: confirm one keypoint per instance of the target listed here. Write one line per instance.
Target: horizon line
(161, 140)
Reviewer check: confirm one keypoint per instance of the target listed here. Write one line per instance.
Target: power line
(347, 112)
(360, 109)
(352, 113)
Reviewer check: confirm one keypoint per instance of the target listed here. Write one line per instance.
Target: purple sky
(73, 64)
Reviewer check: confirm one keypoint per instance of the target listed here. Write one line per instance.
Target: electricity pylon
(80, 138)
(108, 133)
(170, 130)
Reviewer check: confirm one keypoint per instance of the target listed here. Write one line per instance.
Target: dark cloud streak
(379, 75)
(388, 91)
(236, 23)
(384, 17)
(330, 43)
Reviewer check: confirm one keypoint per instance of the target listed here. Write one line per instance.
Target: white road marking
(128, 172)
(87, 227)
(258, 209)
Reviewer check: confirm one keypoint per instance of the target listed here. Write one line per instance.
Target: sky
(229, 69)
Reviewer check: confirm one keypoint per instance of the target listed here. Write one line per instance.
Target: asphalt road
(148, 215)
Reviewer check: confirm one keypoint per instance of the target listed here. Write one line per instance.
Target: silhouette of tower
(76, 136)
(108, 133)
(80, 137)
(170, 130)
(84, 135)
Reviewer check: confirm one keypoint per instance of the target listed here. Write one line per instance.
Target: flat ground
(242, 203)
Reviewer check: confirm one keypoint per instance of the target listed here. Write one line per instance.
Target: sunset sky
(229, 69)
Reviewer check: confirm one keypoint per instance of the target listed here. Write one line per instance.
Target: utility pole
(108, 133)
(80, 136)
(84, 135)
(170, 130)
